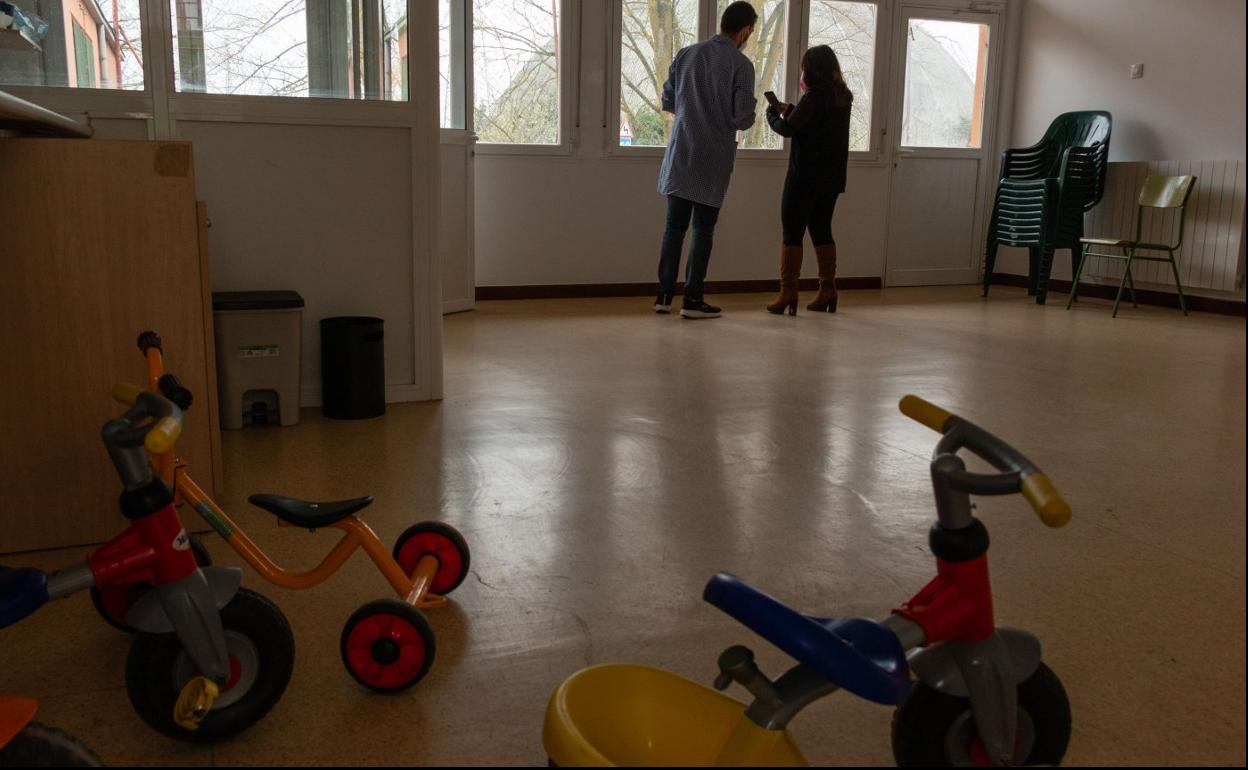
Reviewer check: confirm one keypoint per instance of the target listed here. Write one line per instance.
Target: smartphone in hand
(770, 96)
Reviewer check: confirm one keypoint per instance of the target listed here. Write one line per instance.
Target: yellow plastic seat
(636, 716)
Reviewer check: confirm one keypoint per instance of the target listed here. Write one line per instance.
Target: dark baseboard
(576, 290)
(1203, 304)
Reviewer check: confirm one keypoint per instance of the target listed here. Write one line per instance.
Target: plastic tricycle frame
(415, 587)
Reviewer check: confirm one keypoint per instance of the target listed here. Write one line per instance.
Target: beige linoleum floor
(603, 462)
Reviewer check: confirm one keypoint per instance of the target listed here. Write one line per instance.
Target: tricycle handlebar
(160, 436)
(1018, 473)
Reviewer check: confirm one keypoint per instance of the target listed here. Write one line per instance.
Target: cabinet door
(101, 241)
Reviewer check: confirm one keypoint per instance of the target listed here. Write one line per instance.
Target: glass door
(944, 81)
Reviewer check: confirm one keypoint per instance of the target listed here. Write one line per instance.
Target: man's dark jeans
(679, 212)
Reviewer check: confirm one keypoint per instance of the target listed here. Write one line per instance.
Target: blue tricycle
(966, 691)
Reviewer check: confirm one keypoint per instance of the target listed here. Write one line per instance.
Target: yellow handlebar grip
(1046, 500)
(161, 438)
(925, 412)
(126, 393)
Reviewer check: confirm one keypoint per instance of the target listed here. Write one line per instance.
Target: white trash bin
(259, 343)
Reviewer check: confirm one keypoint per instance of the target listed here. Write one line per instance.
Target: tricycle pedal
(194, 702)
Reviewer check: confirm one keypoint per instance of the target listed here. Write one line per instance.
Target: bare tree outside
(652, 32)
(766, 49)
(262, 47)
(516, 58)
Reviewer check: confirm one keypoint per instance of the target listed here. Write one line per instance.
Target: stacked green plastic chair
(1044, 191)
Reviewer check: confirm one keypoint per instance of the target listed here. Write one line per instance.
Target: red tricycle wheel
(433, 538)
(387, 645)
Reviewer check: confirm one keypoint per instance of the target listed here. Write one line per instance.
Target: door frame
(996, 15)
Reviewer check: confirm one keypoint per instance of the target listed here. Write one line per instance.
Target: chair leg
(1131, 285)
(1042, 276)
(1033, 270)
(1174, 266)
(1126, 274)
(990, 260)
(1074, 284)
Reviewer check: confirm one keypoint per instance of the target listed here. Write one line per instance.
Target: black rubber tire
(451, 534)
(151, 664)
(922, 723)
(202, 558)
(41, 746)
(406, 612)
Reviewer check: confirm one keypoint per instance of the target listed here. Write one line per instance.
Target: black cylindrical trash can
(353, 368)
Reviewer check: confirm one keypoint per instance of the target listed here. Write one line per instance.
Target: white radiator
(1212, 235)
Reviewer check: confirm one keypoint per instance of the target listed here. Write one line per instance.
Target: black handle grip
(175, 391)
(149, 339)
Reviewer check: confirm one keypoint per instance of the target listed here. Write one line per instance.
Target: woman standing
(819, 128)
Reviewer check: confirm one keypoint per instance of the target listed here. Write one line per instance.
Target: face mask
(802, 83)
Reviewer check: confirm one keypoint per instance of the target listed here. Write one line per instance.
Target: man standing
(710, 89)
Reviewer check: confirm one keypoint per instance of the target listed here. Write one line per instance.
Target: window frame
(203, 106)
(461, 96)
(102, 102)
(569, 92)
(162, 105)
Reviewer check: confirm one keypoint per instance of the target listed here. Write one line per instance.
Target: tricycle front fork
(962, 652)
(185, 599)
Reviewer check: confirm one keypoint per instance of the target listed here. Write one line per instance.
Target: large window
(766, 49)
(651, 32)
(347, 49)
(850, 29)
(79, 44)
(517, 63)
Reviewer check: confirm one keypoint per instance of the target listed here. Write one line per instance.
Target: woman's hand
(785, 109)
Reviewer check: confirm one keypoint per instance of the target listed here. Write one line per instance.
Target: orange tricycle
(387, 645)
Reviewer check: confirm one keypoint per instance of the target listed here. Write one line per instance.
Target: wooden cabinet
(99, 240)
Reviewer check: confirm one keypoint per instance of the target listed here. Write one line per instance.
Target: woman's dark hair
(737, 17)
(823, 71)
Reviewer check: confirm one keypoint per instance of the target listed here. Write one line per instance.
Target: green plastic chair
(1044, 191)
(1159, 192)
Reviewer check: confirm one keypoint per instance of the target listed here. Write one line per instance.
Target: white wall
(1077, 54)
(588, 219)
(276, 223)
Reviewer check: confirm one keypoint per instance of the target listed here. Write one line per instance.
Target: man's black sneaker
(663, 303)
(699, 309)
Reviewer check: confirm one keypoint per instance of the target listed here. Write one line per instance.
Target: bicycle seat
(858, 654)
(22, 591)
(306, 514)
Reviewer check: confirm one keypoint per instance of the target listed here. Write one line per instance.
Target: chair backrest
(1083, 175)
(1080, 129)
(1167, 192)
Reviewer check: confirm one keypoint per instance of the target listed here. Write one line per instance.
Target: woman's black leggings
(806, 207)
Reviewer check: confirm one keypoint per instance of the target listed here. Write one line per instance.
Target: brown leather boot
(825, 301)
(790, 271)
